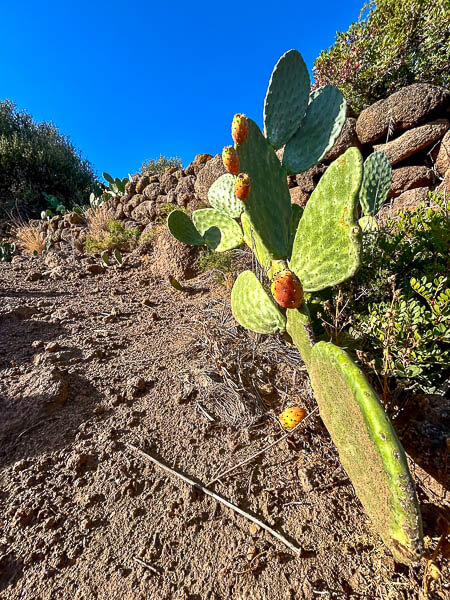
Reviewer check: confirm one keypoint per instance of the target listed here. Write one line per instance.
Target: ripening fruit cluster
(230, 157)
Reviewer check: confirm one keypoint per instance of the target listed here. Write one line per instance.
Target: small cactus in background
(292, 416)
(116, 187)
(311, 251)
(7, 251)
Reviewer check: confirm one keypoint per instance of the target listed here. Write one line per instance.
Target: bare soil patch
(89, 363)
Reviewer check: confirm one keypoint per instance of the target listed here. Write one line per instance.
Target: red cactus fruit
(239, 128)
(230, 160)
(292, 416)
(287, 289)
(242, 186)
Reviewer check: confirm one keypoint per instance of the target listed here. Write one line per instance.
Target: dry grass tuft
(29, 238)
(97, 219)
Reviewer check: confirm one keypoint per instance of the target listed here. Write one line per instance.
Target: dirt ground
(92, 363)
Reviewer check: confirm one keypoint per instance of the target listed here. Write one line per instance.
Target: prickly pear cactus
(182, 228)
(323, 122)
(376, 182)
(368, 448)
(222, 197)
(322, 245)
(269, 204)
(230, 234)
(208, 226)
(286, 99)
(252, 307)
(299, 327)
(327, 245)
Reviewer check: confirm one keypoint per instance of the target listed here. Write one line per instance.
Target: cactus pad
(376, 182)
(326, 248)
(286, 99)
(369, 449)
(269, 203)
(324, 119)
(219, 231)
(254, 242)
(297, 213)
(299, 327)
(252, 307)
(222, 197)
(182, 228)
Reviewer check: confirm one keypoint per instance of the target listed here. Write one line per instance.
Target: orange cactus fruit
(242, 186)
(287, 289)
(239, 128)
(292, 416)
(230, 160)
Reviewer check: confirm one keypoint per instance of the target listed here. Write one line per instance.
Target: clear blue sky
(128, 81)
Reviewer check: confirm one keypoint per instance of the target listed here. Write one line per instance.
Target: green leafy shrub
(394, 43)
(155, 166)
(35, 158)
(397, 306)
(114, 237)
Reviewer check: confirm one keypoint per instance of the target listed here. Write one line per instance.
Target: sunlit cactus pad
(325, 117)
(221, 196)
(299, 327)
(286, 99)
(368, 448)
(209, 221)
(269, 203)
(182, 228)
(252, 307)
(376, 183)
(326, 248)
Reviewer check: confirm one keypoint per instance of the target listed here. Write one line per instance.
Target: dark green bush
(394, 43)
(35, 158)
(396, 310)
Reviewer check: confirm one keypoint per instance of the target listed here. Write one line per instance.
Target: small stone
(254, 529)
(94, 269)
(52, 347)
(50, 523)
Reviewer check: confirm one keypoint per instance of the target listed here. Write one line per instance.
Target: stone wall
(411, 127)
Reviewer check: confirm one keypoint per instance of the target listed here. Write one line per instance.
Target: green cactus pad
(297, 214)
(182, 228)
(376, 182)
(299, 327)
(269, 203)
(252, 307)
(210, 221)
(369, 449)
(254, 242)
(222, 197)
(286, 99)
(327, 244)
(324, 119)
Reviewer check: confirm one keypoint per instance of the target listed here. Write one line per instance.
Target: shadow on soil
(30, 427)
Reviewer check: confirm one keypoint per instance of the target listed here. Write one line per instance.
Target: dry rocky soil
(93, 363)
